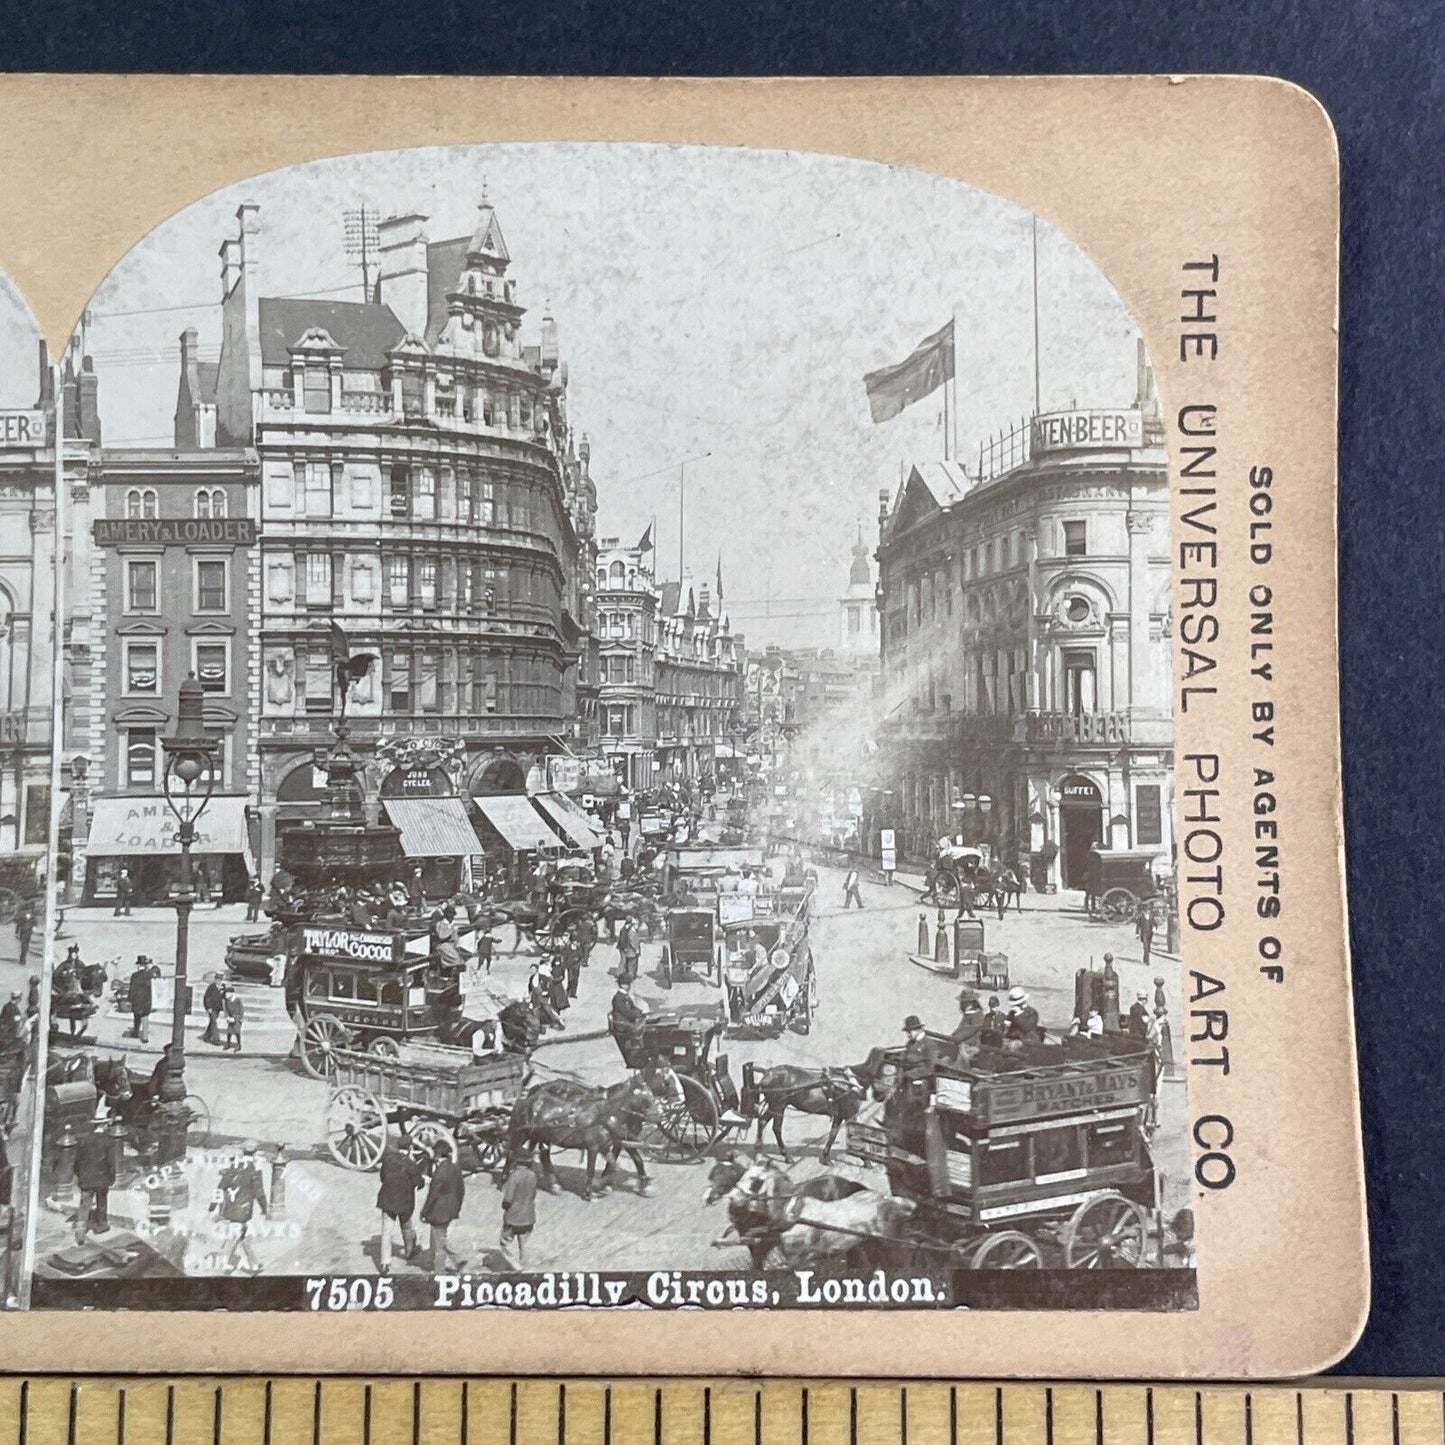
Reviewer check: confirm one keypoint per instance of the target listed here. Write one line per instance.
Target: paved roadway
(866, 987)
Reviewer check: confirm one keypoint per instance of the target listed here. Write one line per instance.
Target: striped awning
(433, 827)
(135, 827)
(570, 819)
(522, 827)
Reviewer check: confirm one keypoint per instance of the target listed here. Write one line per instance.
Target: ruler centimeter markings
(344, 1411)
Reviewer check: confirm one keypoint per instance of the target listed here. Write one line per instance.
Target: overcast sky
(708, 301)
(19, 349)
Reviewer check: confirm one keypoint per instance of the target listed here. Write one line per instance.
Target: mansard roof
(364, 330)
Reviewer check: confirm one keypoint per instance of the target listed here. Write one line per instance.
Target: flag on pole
(645, 542)
(895, 387)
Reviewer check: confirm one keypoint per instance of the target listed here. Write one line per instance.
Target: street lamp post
(189, 761)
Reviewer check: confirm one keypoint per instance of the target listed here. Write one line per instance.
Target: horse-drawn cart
(1120, 881)
(441, 1098)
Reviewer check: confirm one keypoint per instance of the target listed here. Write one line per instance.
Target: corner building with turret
(422, 488)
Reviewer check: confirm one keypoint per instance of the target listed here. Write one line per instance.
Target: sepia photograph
(616, 748)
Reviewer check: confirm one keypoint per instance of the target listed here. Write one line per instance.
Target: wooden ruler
(246, 1411)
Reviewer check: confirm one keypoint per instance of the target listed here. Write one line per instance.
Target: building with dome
(858, 611)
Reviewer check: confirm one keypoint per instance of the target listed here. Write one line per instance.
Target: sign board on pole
(888, 849)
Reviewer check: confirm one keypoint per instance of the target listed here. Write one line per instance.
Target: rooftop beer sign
(1072, 431)
(24, 429)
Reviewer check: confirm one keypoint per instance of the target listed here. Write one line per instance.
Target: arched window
(140, 503)
(210, 503)
(619, 574)
(601, 576)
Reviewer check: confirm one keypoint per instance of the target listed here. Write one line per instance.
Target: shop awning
(520, 824)
(433, 827)
(571, 821)
(146, 827)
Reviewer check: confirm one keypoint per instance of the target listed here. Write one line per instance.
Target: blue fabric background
(1378, 69)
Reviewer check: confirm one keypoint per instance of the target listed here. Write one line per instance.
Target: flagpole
(681, 503)
(945, 421)
(953, 341)
(1037, 405)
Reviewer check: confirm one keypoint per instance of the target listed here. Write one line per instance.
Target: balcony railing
(1068, 727)
(950, 727)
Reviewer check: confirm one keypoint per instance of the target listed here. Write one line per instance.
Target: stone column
(1140, 526)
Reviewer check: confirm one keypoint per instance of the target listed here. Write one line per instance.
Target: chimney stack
(88, 402)
(401, 253)
(45, 398)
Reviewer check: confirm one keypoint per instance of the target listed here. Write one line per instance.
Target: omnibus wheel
(383, 1046)
(320, 1039)
(1117, 906)
(1008, 1249)
(1107, 1231)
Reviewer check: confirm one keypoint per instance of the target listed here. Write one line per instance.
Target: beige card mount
(696, 727)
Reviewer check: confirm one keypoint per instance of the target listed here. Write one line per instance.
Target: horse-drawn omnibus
(766, 964)
(1022, 1159)
(365, 989)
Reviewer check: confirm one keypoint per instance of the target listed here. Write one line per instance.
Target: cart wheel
(491, 1151)
(810, 1002)
(687, 1126)
(433, 1137)
(199, 1131)
(1117, 906)
(1008, 1249)
(1107, 1231)
(355, 1128)
(383, 1046)
(319, 1041)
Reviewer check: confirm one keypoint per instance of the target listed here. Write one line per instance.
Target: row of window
(322, 489)
(933, 592)
(143, 504)
(401, 581)
(1000, 685)
(141, 665)
(210, 585)
(447, 681)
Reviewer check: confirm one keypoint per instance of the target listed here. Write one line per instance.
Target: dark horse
(770, 1093)
(601, 1123)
